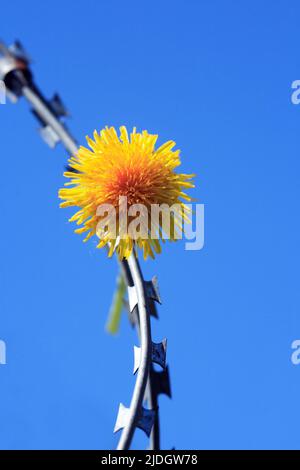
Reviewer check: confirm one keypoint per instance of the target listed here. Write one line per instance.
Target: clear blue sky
(216, 77)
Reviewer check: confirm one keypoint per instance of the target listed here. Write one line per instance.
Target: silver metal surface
(132, 298)
(50, 120)
(146, 350)
(142, 295)
(152, 290)
(160, 381)
(158, 355)
(144, 421)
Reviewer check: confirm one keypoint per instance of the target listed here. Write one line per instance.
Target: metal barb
(160, 382)
(17, 50)
(159, 353)
(158, 356)
(146, 350)
(133, 301)
(132, 298)
(152, 290)
(49, 136)
(145, 419)
(122, 418)
(58, 107)
(137, 359)
(15, 71)
(152, 308)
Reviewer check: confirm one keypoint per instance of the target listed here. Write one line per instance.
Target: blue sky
(215, 77)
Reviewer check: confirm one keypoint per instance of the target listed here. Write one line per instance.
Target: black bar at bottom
(142, 459)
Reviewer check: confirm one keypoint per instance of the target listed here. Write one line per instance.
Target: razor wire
(142, 295)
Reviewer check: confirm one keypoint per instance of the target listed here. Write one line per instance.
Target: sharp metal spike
(161, 382)
(146, 420)
(133, 317)
(159, 353)
(152, 290)
(132, 298)
(152, 308)
(49, 136)
(18, 51)
(122, 418)
(137, 359)
(133, 304)
(57, 107)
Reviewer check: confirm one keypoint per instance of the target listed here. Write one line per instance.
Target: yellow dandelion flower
(131, 169)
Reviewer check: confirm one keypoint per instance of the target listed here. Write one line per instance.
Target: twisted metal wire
(133, 277)
(146, 347)
(144, 387)
(150, 392)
